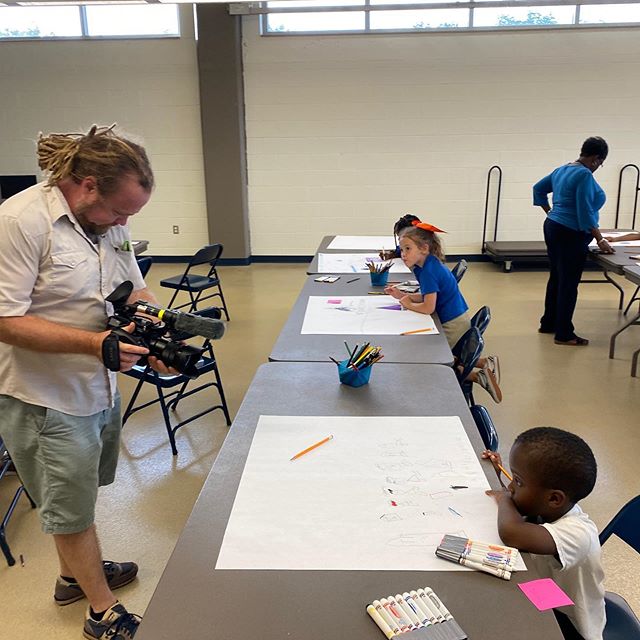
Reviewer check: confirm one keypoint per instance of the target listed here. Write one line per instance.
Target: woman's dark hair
(595, 146)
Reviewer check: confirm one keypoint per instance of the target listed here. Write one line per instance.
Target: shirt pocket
(69, 273)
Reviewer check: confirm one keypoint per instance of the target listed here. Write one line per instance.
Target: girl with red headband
(421, 251)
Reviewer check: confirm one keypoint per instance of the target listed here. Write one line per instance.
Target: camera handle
(111, 352)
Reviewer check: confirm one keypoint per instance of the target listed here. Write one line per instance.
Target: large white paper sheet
(378, 496)
(363, 243)
(355, 263)
(616, 234)
(369, 315)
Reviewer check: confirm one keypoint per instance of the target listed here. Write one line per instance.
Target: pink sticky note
(545, 594)
(334, 301)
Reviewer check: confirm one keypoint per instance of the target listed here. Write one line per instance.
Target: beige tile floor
(141, 515)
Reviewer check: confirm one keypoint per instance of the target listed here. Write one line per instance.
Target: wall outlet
(176, 228)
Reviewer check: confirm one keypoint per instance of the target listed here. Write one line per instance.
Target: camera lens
(181, 357)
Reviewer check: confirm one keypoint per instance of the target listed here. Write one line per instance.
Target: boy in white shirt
(537, 512)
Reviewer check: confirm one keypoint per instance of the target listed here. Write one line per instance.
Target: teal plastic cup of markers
(379, 279)
(353, 377)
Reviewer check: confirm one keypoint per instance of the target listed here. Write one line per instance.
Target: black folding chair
(195, 284)
(5, 466)
(169, 400)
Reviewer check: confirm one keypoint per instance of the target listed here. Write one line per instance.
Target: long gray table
(631, 273)
(313, 265)
(193, 600)
(139, 246)
(614, 262)
(292, 346)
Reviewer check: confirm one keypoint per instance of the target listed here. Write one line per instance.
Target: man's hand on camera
(161, 367)
(129, 353)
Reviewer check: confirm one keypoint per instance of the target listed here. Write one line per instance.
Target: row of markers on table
(413, 610)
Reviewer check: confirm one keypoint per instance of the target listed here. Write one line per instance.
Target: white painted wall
(346, 133)
(149, 87)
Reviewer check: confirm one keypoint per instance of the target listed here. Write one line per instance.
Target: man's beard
(87, 226)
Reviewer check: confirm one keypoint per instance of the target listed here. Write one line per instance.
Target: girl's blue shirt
(577, 197)
(435, 277)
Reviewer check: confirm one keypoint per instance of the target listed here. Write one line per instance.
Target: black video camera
(162, 339)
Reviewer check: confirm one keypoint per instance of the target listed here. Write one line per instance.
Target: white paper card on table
(366, 315)
(363, 243)
(377, 496)
(355, 263)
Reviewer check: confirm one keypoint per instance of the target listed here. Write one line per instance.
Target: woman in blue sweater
(569, 227)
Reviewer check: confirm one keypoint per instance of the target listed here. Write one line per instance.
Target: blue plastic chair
(481, 319)
(195, 284)
(622, 622)
(459, 270)
(485, 425)
(144, 264)
(467, 351)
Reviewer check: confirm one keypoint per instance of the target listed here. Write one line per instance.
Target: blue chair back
(145, 264)
(485, 425)
(467, 350)
(459, 270)
(481, 319)
(625, 524)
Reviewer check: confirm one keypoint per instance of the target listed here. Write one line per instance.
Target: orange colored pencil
(506, 473)
(408, 333)
(312, 447)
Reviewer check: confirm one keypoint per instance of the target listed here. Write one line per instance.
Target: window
(108, 20)
(39, 22)
(374, 16)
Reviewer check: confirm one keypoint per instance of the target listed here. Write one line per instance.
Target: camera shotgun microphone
(192, 324)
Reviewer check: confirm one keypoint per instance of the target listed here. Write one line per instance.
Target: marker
(352, 280)
(409, 333)
(384, 627)
(312, 447)
(376, 293)
(396, 615)
(21, 560)
(455, 486)
(408, 611)
(386, 616)
(423, 619)
(429, 618)
(506, 473)
(436, 616)
(438, 603)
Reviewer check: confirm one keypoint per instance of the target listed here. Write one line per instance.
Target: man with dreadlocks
(64, 247)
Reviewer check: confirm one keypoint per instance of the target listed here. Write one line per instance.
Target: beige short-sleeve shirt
(50, 268)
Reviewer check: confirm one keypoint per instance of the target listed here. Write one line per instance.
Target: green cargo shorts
(61, 459)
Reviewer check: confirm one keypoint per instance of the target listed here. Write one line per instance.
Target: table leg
(612, 341)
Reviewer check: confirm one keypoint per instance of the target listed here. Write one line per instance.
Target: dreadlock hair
(562, 460)
(423, 237)
(100, 153)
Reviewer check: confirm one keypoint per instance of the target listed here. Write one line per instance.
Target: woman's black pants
(567, 251)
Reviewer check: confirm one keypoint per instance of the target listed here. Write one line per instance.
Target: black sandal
(574, 342)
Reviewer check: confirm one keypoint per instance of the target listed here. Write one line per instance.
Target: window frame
(264, 11)
(84, 27)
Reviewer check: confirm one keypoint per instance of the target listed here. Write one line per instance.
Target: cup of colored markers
(355, 371)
